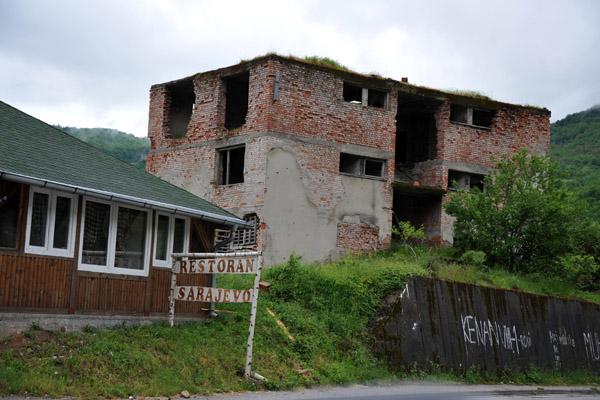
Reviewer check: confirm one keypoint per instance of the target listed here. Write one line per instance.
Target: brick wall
(358, 237)
(310, 119)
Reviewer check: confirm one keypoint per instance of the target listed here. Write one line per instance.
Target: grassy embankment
(326, 309)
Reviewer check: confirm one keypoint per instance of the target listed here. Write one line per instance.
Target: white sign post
(218, 263)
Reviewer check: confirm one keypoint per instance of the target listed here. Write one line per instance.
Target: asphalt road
(421, 392)
(417, 391)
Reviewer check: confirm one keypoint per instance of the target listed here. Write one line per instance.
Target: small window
(171, 236)
(131, 238)
(471, 116)
(50, 223)
(10, 200)
(482, 118)
(461, 114)
(236, 100)
(114, 238)
(231, 165)
(352, 93)
(458, 180)
(377, 98)
(361, 166)
(367, 97)
(182, 105)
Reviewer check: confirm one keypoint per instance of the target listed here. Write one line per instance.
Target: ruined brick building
(326, 159)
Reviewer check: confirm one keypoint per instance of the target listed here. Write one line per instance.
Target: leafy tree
(523, 220)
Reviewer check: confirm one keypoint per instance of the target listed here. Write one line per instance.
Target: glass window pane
(95, 233)
(62, 223)
(10, 194)
(131, 239)
(179, 236)
(162, 237)
(39, 219)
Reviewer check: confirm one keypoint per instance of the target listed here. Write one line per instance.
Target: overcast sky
(88, 63)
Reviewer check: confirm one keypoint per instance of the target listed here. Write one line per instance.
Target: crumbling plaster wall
(298, 218)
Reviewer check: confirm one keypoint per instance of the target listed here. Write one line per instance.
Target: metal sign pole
(248, 370)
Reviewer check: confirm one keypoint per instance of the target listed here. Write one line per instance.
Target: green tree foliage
(575, 145)
(124, 146)
(524, 220)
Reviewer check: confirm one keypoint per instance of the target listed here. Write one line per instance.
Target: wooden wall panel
(110, 294)
(29, 281)
(161, 285)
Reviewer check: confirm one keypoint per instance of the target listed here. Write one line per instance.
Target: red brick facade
(304, 111)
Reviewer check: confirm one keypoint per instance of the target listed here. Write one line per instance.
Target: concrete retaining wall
(458, 326)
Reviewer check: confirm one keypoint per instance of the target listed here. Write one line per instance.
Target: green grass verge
(326, 308)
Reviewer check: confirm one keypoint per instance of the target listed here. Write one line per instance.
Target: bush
(523, 220)
(581, 270)
(474, 258)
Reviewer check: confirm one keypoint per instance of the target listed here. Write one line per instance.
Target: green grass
(327, 309)
(470, 93)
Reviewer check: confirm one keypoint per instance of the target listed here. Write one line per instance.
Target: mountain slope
(575, 144)
(124, 146)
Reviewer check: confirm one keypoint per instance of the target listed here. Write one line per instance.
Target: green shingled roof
(31, 148)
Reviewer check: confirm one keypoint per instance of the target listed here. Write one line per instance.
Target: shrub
(523, 220)
(474, 258)
(581, 270)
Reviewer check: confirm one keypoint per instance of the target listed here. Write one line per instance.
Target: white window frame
(170, 238)
(112, 241)
(47, 249)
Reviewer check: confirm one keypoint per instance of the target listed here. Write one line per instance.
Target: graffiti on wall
(486, 333)
(460, 325)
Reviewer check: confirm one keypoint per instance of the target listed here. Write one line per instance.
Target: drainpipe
(213, 282)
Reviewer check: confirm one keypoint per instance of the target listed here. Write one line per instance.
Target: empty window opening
(420, 209)
(231, 165)
(10, 200)
(471, 116)
(461, 114)
(182, 105)
(482, 117)
(361, 166)
(377, 98)
(374, 168)
(458, 180)
(367, 97)
(416, 130)
(236, 100)
(352, 93)
(350, 164)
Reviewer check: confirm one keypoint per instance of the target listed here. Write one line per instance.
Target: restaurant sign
(218, 263)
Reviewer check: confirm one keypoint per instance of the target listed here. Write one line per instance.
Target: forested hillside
(575, 144)
(124, 146)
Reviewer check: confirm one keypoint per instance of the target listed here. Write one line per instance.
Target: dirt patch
(19, 340)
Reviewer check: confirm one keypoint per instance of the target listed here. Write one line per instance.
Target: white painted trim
(170, 238)
(112, 240)
(47, 249)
